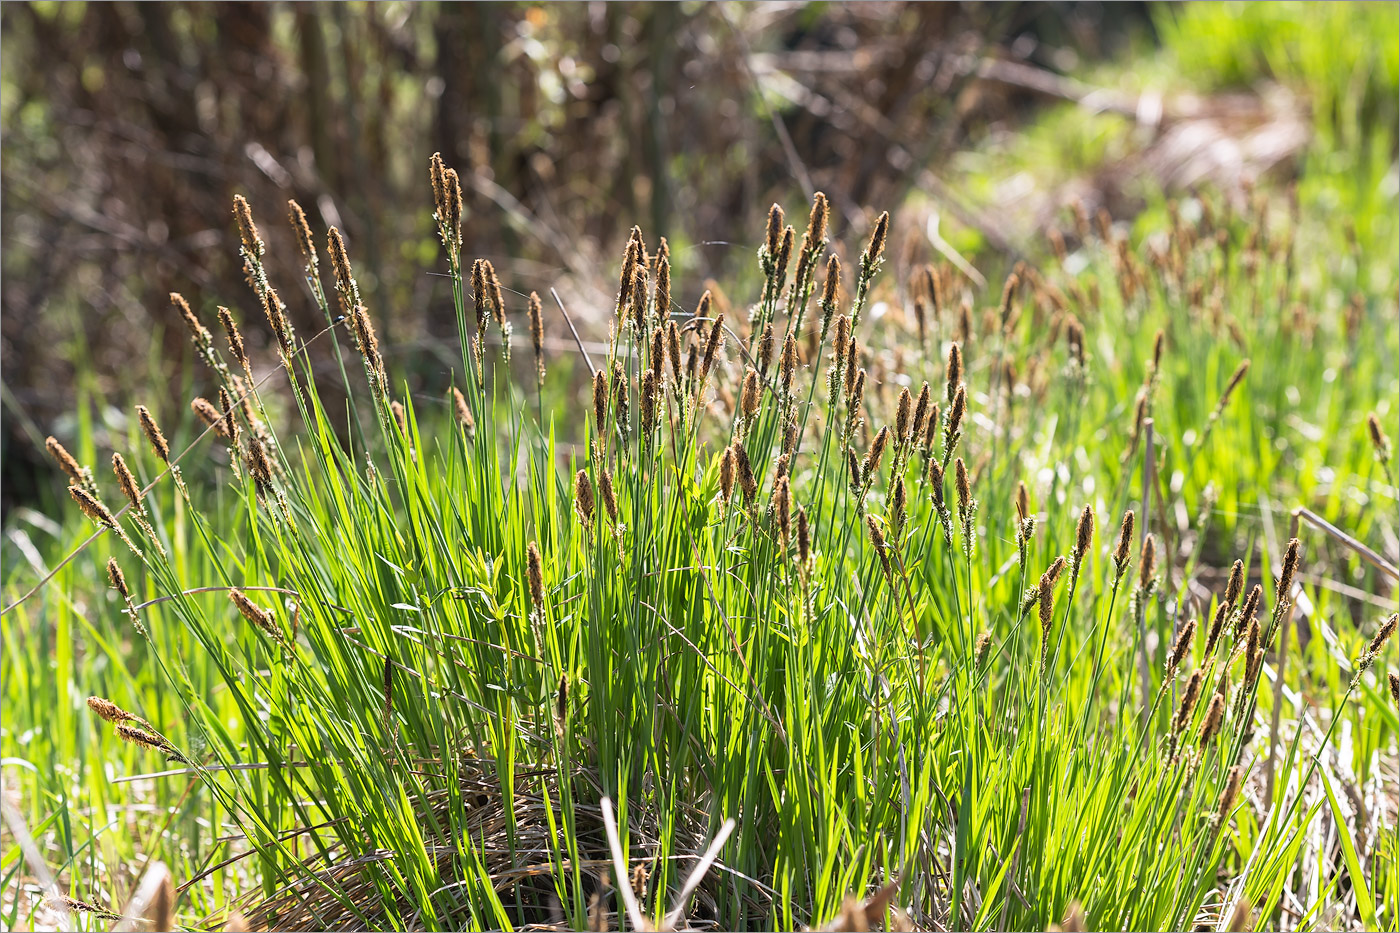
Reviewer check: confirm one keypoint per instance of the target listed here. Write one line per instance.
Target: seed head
(1023, 501)
(130, 488)
(773, 241)
(1235, 379)
(1181, 647)
(235, 339)
(1247, 613)
(1394, 688)
(66, 461)
(462, 412)
(230, 422)
(1189, 696)
(1148, 568)
(935, 417)
(873, 456)
(933, 289)
(983, 645)
(537, 334)
(1231, 791)
(117, 578)
(400, 415)
(1217, 625)
(498, 304)
(816, 220)
(955, 417)
(209, 415)
(748, 484)
(749, 399)
(1236, 584)
(878, 236)
(1291, 556)
(260, 617)
(258, 465)
(1046, 600)
(143, 738)
(782, 507)
(272, 307)
(340, 263)
(92, 507)
(921, 408)
(303, 234)
(1382, 635)
(583, 497)
(784, 254)
(648, 392)
(1008, 295)
(964, 485)
(153, 434)
(832, 285)
(954, 370)
(109, 711)
(903, 419)
(1211, 724)
(765, 347)
(1379, 441)
(607, 493)
(247, 230)
(899, 504)
(935, 481)
(673, 350)
(877, 539)
(727, 467)
(534, 571)
(1084, 535)
(712, 344)
(600, 403)
(788, 365)
(198, 332)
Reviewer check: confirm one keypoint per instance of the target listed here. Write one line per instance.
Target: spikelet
(583, 498)
(607, 493)
(765, 347)
(535, 574)
(830, 289)
(400, 416)
(788, 366)
(1122, 552)
(109, 711)
(127, 481)
(953, 432)
(875, 249)
(1379, 441)
(235, 339)
(305, 243)
(210, 415)
(261, 618)
(621, 413)
(369, 348)
(748, 399)
(1147, 569)
(1181, 647)
(853, 468)
(903, 420)
(1189, 694)
(199, 334)
(1236, 584)
(673, 350)
(1283, 588)
(1083, 539)
(649, 403)
(712, 347)
(953, 372)
(537, 335)
(748, 484)
(877, 540)
(1232, 790)
(935, 481)
(600, 403)
(1210, 726)
(935, 418)
(259, 467)
(1217, 625)
(784, 256)
(146, 739)
(899, 504)
(727, 469)
(1376, 646)
(462, 412)
(871, 465)
(247, 230)
(981, 649)
(157, 440)
(1045, 598)
(772, 240)
(967, 506)
(79, 474)
(855, 397)
(92, 507)
(344, 276)
(1394, 688)
(1247, 612)
(782, 508)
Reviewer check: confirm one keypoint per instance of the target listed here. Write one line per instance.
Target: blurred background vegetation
(128, 127)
